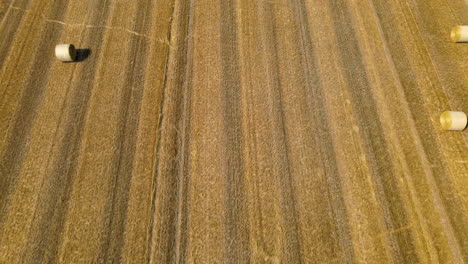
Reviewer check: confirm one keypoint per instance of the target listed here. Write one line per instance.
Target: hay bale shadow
(82, 54)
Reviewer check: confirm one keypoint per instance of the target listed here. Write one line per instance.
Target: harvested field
(232, 131)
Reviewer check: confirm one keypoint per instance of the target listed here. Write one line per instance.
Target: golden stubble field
(232, 131)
